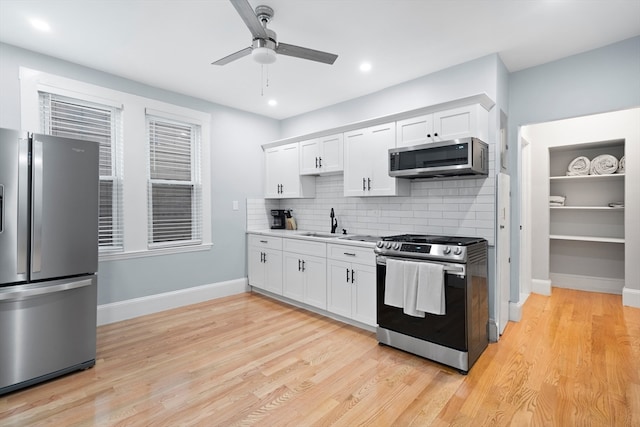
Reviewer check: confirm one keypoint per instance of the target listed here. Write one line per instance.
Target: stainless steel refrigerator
(48, 257)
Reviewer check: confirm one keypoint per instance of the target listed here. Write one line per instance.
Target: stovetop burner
(433, 240)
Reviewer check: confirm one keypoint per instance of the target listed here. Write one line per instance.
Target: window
(75, 118)
(174, 190)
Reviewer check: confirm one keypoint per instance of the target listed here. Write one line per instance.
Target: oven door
(449, 329)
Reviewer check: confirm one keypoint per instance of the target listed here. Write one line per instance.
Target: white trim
(631, 297)
(587, 283)
(123, 310)
(116, 256)
(541, 286)
(515, 308)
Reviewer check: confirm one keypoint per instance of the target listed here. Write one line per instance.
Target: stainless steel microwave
(464, 157)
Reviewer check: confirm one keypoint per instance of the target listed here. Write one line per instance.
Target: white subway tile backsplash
(463, 207)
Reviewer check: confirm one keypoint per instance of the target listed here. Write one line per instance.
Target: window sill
(116, 256)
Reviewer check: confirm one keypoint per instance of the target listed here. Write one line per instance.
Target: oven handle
(450, 268)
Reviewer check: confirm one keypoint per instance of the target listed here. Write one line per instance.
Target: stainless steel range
(455, 335)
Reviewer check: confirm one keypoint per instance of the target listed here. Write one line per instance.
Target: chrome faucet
(334, 222)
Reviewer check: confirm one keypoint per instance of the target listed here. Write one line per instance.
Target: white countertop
(301, 234)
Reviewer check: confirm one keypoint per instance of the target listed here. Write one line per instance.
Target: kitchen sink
(319, 234)
(363, 238)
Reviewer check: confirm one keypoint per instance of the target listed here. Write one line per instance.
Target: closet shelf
(587, 208)
(612, 177)
(586, 238)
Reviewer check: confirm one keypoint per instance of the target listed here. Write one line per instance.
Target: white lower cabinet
(305, 272)
(351, 287)
(265, 263)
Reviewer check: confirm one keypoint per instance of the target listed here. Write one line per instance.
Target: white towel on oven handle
(410, 284)
(394, 283)
(431, 295)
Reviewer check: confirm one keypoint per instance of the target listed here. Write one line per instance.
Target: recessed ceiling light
(365, 67)
(40, 25)
(273, 102)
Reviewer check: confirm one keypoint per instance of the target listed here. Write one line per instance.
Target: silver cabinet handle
(16, 294)
(364, 184)
(264, 241)
(349, 254)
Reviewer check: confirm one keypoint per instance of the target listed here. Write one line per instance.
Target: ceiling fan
(265, 45)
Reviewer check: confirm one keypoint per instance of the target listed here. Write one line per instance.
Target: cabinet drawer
(351, 254)
(265, 241)
(305, 247)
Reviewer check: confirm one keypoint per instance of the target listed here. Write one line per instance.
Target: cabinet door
(414, 131)
(293, 280)
(309, 157)
(356, 164)
(273, 170)
(331, 153)
(363, 297)
(338, 288)
(273, 271)
(256, 267)
(315, 278)
(381, 139)
(455, 123)
(290, 171)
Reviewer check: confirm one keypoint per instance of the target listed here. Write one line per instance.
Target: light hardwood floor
(574, 359)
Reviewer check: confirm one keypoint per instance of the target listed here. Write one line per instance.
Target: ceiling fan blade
(239, 54)
(305, 53)
(250, 19)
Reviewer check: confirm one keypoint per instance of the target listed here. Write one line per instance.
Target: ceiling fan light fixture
(263, 55)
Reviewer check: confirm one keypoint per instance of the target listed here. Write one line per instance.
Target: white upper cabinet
(322, 155)
(462, 122)
(282, 170)
(366, 163)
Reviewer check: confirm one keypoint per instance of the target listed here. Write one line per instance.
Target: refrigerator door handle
(1, 208)
(37, 202)
(16, 294)
(23, 199)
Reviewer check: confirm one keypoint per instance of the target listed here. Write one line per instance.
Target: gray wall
(597, 81)
(235, 177)
(470, 78)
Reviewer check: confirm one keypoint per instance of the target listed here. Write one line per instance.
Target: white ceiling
(171, 43)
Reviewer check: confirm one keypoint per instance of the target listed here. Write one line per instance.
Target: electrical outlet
(235, 205)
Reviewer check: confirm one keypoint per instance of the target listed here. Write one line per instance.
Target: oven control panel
(422, 250)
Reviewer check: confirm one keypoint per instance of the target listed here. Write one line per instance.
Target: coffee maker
(278, 220)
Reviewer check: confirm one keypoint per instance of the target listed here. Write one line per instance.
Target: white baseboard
(631, 297)
(587, 283)
(515, 308)
(128, 309)
(541, 286)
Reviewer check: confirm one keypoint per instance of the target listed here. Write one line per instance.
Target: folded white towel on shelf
(621, 164)
(411, 289)
(431, 294)
(556, 200)
(394, 283)
(579, 166)
(604, 164)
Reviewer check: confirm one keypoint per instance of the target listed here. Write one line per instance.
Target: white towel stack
(416, 287)
(579, 166)
(556, 200)
(604, 164)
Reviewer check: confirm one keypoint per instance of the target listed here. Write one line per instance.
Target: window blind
(174, 191)
(75, 118)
